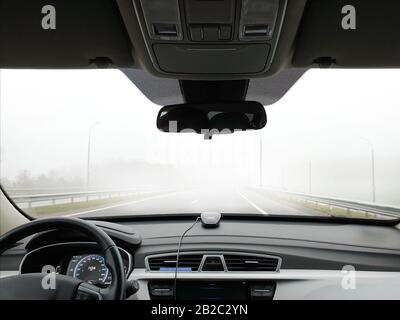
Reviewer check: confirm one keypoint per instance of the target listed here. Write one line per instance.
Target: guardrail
(367, 207)
(71, 197)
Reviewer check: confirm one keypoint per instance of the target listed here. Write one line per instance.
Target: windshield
(85, 143)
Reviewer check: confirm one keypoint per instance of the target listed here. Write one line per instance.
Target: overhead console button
(165, 29)
(211, 33)
(225, 32)
(256, 30)
(162, 18)
(258, 19)
(196, 33)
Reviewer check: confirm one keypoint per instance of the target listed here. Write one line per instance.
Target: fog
(319, 137)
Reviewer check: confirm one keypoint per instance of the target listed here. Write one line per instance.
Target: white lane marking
(291, 207)
(253, 204)
(123, 204)
(195, 201)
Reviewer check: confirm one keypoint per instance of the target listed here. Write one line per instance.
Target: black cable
(178, 252)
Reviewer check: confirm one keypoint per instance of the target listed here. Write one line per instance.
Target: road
(226, 200)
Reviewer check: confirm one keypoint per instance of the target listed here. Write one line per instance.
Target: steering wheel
(30, 286)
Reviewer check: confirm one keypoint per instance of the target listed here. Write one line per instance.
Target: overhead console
(211, 36)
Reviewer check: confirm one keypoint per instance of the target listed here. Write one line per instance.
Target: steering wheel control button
(86, 293)
(161, 290)
(85, 296)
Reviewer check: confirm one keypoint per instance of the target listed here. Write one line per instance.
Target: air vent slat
(169, 262)
(249, 259)
(251, 263)
(233, 262)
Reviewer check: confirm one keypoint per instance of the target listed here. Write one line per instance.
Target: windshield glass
(85, 143)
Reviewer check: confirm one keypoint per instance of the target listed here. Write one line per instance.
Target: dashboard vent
(251, 263)
(190, 262)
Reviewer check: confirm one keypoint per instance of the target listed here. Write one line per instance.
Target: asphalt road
(225, 200)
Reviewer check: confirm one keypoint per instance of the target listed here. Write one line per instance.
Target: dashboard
(252, 258)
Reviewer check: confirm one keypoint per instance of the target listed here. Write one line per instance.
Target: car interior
(228, 221)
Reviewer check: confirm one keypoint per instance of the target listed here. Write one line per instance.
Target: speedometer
(90, 268)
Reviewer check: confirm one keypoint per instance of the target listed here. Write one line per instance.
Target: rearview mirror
(212, 118)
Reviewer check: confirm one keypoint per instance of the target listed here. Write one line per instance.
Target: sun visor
(357, 33)
(62, 34)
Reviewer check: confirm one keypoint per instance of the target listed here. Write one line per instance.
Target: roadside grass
(65, 208)
(334, 211)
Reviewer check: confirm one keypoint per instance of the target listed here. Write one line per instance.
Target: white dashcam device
(210, 219)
